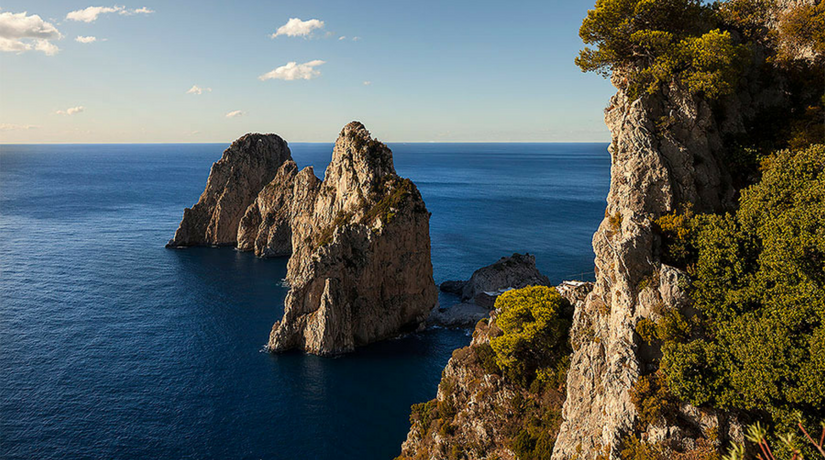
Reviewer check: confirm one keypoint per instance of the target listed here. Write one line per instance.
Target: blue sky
(467, 71)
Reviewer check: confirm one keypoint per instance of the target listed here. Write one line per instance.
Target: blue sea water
(112, 346)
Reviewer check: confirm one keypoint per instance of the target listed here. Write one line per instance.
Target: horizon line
(305, 142)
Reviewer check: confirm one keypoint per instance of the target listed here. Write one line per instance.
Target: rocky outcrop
(360, 269)
(359, 241)
(477, 412)
(266, 226)
(653, 172)
(486, 283)
(234, 182)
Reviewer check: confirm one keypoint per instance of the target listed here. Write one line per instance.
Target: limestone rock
(234, 182)
(486, 283)
(359, 241)
(266, 226)
(360, 269)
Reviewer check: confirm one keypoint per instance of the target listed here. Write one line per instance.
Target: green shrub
(635, 449)
(678, 240)
(535, 335)
(424, 413)
(760, 293)
(652, 399)
(486, 358)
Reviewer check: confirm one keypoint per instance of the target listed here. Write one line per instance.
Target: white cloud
(82, 39)
(16, 127)
(294, 71)
(195, 89)
(355, 39)
(91, 13)
(298, 28)
(367, 83)
(71, 110)
(235, 113)
(342, 37)
(142, 10)
(20, 32)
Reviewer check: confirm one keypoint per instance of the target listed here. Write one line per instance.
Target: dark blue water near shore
(113, 347)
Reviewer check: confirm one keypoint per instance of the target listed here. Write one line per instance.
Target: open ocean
(113, 347)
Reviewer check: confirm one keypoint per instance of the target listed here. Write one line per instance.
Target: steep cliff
(361, 268)
(234, 182)
(654, 170)
(673, 150)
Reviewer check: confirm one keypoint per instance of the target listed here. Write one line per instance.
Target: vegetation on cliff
(753, 340)
(534, 342)
(759, 337)
(502, 395)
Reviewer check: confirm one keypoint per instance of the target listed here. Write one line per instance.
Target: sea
(114, 347)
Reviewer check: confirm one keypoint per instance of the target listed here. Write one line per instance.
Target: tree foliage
(535, 330)
(760, 292)
(655, 42)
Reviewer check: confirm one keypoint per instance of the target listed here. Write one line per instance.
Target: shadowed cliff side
(234, 181)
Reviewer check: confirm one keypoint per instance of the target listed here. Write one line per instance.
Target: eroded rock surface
(234, 182)
(487, 283)
(360, 269)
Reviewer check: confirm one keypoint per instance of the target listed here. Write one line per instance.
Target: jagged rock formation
(234, 182)
(266, 226)
(486, 283)
(653, 172)
(359, 241)
(360, 269)
(478, 413)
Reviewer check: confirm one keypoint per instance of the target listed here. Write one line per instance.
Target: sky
(210, 71)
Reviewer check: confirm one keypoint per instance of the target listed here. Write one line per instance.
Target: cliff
(671, 151)
(360, 269)
(358, 242)
(234, 182)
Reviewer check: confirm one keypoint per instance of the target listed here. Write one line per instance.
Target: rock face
(666, 151)
(359, 241)
(477, 413)
(266, 226)
(514, 272)
(360, 269)
(652, 174)
(234, 182)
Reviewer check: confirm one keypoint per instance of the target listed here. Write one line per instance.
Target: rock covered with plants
(498, 397)
(709, 96)
(702, 336)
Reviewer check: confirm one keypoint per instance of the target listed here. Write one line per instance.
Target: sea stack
(359, 241)
(361, 269)
(234, 182)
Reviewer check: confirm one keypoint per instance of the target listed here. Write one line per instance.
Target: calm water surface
(113, 347)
